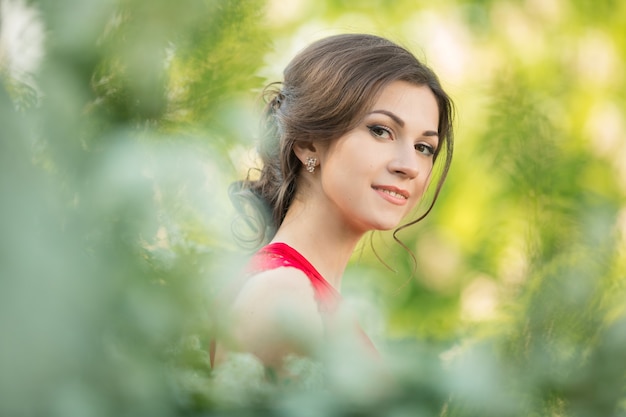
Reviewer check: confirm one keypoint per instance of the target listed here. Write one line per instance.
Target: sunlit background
(123, 122)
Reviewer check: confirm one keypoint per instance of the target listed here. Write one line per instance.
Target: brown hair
(327, 89)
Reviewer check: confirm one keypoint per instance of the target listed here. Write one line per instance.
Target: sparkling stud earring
(310, 164)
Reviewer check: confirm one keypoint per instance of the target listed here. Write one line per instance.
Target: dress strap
(278, 254)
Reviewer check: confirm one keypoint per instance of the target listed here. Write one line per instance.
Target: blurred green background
(123, 122)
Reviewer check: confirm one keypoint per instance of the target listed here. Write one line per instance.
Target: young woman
(351, 138)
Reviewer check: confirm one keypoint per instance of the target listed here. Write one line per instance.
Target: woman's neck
(325, 241)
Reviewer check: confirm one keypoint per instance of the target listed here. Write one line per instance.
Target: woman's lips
(392, 194)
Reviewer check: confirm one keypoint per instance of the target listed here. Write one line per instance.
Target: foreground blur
(122, 123)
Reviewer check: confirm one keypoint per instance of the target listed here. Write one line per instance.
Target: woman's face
(373, 176)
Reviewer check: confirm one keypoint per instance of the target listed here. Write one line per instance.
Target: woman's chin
(386, 226)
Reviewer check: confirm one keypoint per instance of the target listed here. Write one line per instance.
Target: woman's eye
(425, 149)
(380, 131)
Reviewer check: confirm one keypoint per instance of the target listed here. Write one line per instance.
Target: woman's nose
(405, 162)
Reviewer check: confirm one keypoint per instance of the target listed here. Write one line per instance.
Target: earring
(310, 164)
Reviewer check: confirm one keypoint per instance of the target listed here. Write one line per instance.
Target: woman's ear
(308, 154)
(304, 150)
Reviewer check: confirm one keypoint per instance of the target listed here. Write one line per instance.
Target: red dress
(277, 255)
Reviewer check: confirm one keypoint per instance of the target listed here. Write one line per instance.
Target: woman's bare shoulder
(276, 282)
(276, 314)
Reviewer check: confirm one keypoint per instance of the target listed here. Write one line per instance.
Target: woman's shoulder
(276, 313)
(280, 285)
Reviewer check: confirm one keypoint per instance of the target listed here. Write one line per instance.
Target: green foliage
(112, 226)
(114, 161)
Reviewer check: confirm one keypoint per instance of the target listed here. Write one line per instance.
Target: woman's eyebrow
(395, 118)
(400, 122)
